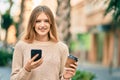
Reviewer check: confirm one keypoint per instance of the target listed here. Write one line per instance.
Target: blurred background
(91, 29)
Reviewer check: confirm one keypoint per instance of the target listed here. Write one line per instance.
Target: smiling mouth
(42, 29)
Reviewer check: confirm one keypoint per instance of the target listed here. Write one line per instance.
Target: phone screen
(36, 51)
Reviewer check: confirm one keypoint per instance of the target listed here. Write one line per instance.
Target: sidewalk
(102, 73)
(5, 73)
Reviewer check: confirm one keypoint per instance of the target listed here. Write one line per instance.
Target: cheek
(36, 26)
(49, 27)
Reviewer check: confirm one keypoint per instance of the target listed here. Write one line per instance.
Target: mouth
(42, 28)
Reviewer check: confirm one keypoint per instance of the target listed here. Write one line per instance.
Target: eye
(47, 21)
(38, 21)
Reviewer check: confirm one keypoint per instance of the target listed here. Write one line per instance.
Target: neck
(42, 38)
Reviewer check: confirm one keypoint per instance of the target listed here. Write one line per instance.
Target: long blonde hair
(30, 33)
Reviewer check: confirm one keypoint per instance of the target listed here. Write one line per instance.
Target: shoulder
(63, 48)
(62, 45)
(20, 43)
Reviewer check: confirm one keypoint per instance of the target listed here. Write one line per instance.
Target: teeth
(42, 28)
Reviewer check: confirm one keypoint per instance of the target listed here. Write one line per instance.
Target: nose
(42, 23)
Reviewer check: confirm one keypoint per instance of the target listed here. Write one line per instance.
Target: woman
(41, 34)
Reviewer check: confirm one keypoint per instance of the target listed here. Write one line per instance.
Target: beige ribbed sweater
(55, 55)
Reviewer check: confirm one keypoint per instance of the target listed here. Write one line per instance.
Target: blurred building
(87, 16)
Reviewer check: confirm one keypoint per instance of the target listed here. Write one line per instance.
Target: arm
(64, 54)
(64, 58)
(66, 73)
(18, 72)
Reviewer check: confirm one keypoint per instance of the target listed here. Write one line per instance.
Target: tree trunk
(26, 7)
(21, 17)
(11, 3)
(63, 20)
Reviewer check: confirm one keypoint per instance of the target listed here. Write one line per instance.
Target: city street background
(90, 28)
(101, 72)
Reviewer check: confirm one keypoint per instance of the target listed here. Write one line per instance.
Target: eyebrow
(42, 19)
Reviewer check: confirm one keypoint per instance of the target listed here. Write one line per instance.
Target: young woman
(41, 34)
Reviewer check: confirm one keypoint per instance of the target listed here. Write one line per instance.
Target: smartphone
(36, 51)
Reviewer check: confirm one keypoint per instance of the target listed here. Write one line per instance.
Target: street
(5, 73)
(102, 73)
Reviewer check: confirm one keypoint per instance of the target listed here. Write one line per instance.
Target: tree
(6, 18)
(7, 21)
(22, 11)
(63, 19)
(114, 5)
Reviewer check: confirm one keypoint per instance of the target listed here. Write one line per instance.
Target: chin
(42, 34)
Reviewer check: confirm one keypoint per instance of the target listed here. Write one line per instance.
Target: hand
(31, 64)
(70, 72)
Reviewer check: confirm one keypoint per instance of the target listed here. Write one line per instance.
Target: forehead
(42, 16)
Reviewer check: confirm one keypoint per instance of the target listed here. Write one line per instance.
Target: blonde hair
(30, 34)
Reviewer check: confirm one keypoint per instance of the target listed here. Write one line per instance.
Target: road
(5, 73)
(102, 73)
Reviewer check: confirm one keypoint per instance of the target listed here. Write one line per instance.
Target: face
(42, 25)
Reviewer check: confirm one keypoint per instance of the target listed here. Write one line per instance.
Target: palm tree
(63, 19)
(114, 6)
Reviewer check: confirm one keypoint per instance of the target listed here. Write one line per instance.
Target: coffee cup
(71, 60)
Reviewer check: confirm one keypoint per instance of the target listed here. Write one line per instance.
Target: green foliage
(84, 40)
(100, 40)
(6, 21)
(5, 57)
(114, 5)
(74, 46)
(81, 43)
(83, 75)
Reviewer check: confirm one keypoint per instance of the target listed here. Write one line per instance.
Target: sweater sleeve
(18, 72)
(64, 55)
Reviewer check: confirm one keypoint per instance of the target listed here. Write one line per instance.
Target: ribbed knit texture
(55, 55)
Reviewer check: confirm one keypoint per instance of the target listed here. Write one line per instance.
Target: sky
(4, 5)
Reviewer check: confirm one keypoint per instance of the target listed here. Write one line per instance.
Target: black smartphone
(36, 51)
